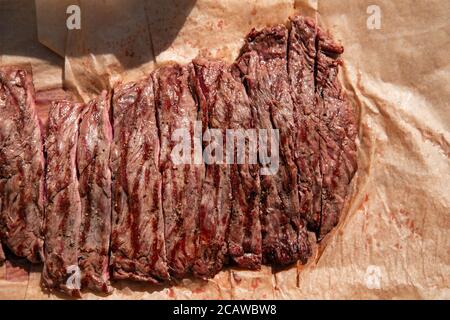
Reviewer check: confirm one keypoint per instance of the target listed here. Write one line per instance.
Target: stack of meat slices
(100, 195)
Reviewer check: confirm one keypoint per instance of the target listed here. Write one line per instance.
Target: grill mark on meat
(63, 211)
(263, 67)
(302, 73)
(337, 133)
(22, 197)
(215, 208)
(93, 151)
(181, 183)
(137, 240)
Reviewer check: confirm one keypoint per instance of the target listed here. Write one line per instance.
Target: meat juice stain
(364, 202)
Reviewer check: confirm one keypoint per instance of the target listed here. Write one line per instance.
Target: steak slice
(137, 240)
(301, 68)
(181, 180)
(63, 210)
(338, 130)
(216, 202)
(263, 67)
(22, 165)
(93, 150)
(229, 109)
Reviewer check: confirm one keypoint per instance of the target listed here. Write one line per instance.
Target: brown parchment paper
(19, 44)
(393, 240)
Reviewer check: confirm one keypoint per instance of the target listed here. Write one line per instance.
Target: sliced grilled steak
(63, 210)
(93, 149)
(264, 70)
(216, 204)
(338, 132)
(182, 182)
(137, 243)
(229, 109)
(301, 68)
(21, 166)
(167, 218)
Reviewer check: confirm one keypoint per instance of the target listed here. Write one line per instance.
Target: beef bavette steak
(63, 210)
(22, 195)
(229, 109)
(301, 69)
(137, 242)
(94, 177)
(338, 132)
(263, 68)
(134, 185)
(215, 208)
(182, 183)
